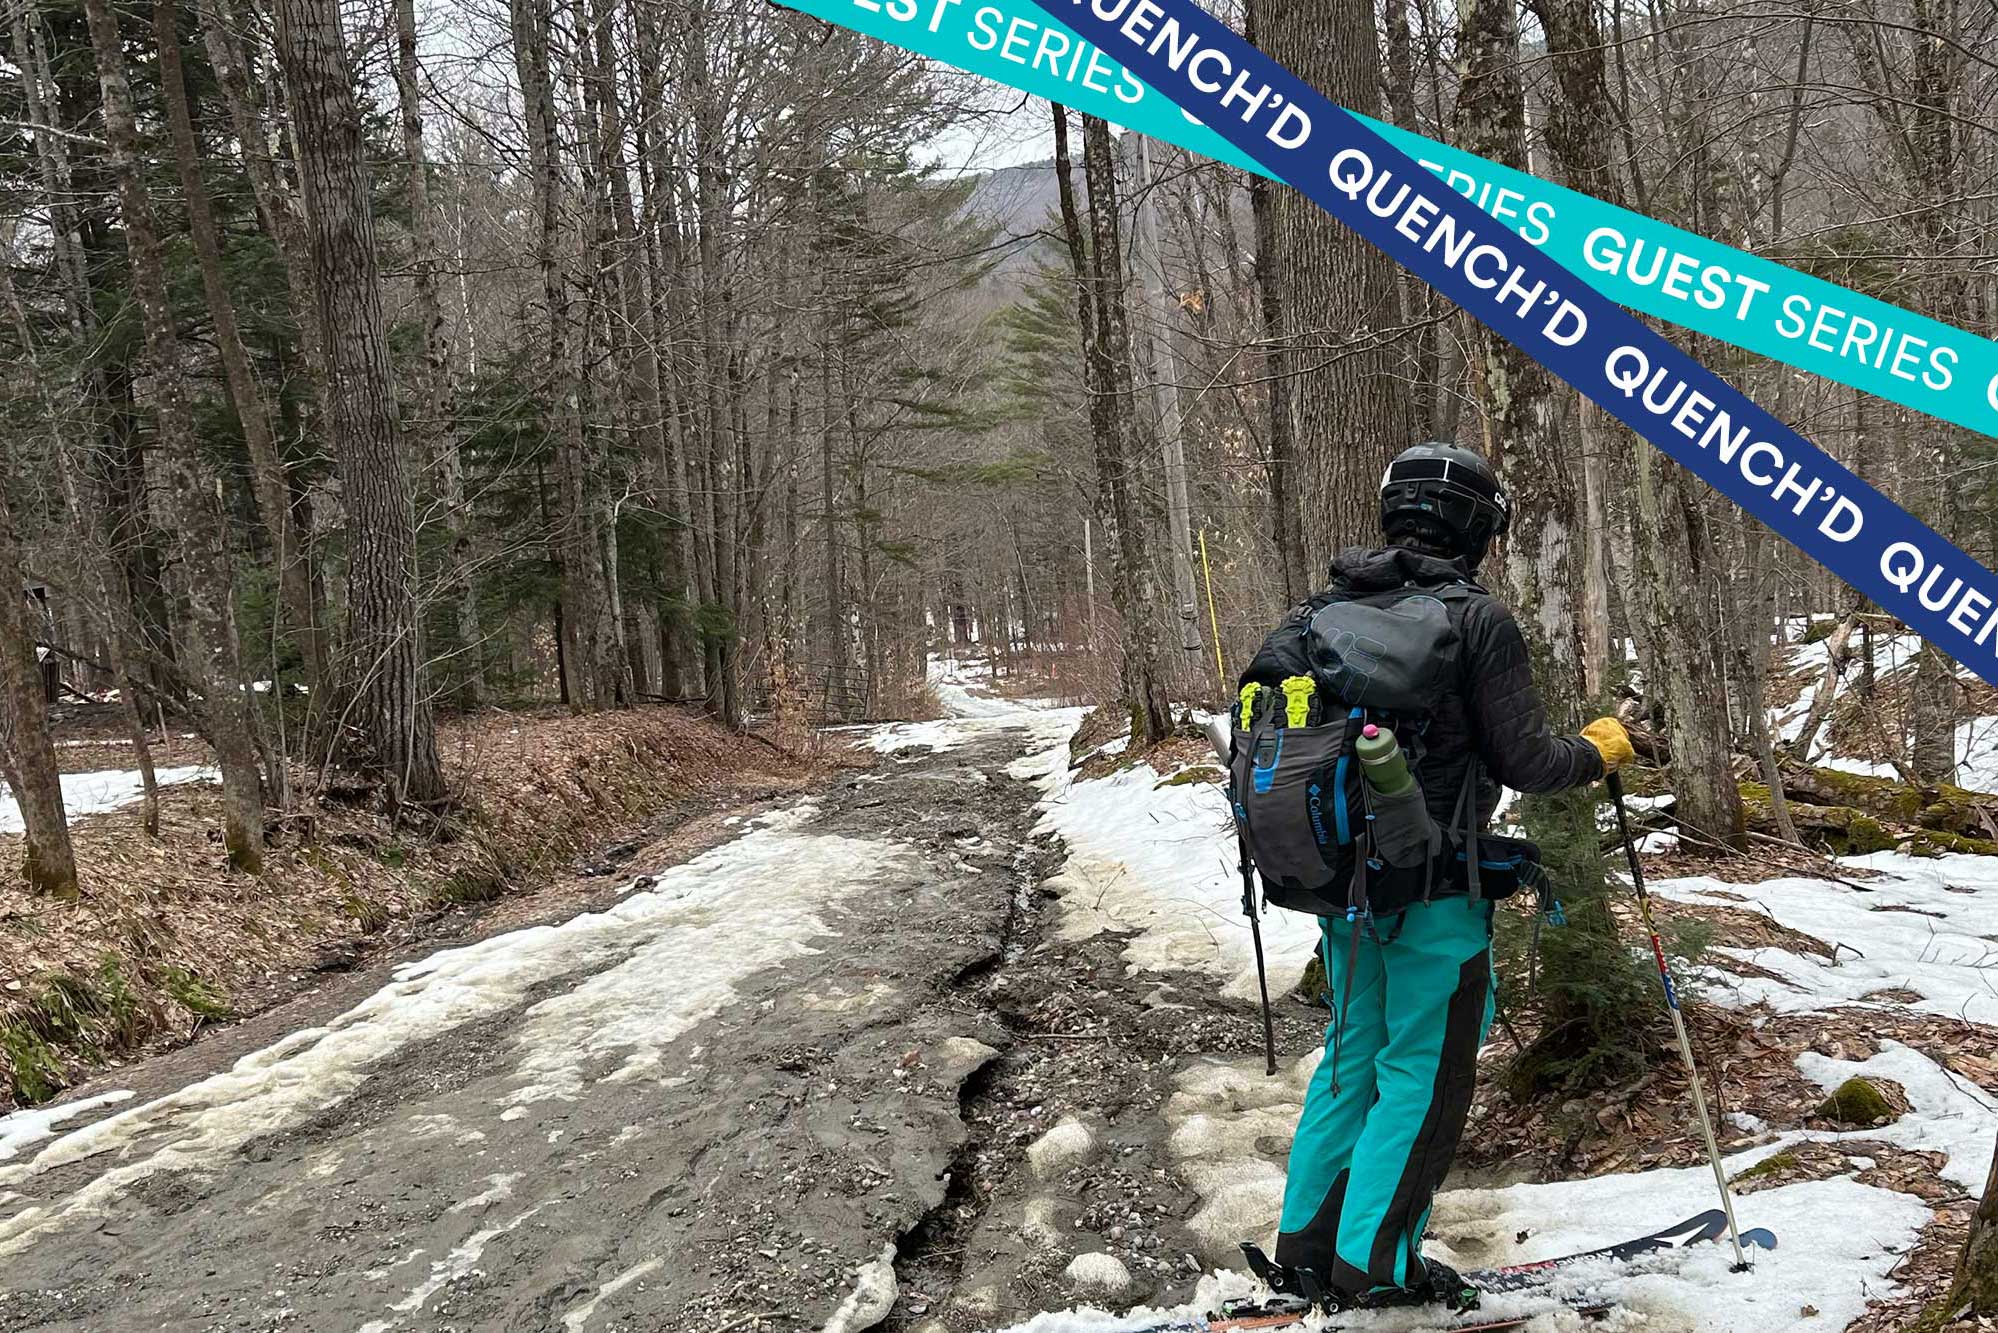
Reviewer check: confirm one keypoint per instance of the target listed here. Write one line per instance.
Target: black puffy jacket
(1495, 714)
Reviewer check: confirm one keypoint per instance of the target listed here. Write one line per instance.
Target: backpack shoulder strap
(1468, 821)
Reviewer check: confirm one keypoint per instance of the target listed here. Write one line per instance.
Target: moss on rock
(1856, 1102)
(1310, 987)
(1771, 1166)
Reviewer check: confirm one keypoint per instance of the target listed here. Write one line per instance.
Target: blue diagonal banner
(1294, 134)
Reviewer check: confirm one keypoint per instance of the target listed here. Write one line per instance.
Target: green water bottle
(1382, 761)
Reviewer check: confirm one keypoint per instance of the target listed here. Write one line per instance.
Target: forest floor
(960, 1042)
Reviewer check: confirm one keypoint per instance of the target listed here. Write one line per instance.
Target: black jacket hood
(1378, 568)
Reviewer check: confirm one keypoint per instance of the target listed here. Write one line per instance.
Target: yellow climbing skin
(1297, 692)
(1249, 693)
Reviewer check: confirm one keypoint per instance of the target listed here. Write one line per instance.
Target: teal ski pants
(1386, 1108)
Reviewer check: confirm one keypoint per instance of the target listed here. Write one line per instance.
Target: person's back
(1412, 992)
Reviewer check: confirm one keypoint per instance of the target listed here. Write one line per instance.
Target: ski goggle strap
(1441, 477)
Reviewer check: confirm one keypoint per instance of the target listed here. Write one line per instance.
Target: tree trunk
(245, 396)
(718, 372)
(436, 431)
(1678, 565)
(1975, 1290)
(49, 863)
(384, 637)
(199, 526)
(665, 292)
(1340, 301)
(1594, 1006)
(220, 26)
(1106, 345)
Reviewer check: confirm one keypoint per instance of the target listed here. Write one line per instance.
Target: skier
(1413, 996)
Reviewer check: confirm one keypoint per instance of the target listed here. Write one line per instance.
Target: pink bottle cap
(1370, 731)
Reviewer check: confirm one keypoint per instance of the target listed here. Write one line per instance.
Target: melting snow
(653, 966)
(1158, 863)
(90, 793)
(22, 1128)
(1924, 925)
(576, 1318)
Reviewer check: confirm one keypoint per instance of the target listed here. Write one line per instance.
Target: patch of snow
(1977, 754)
(1098, 1273)
(1909, 931)
(1951, 1116)
(1069, 1143)
(872, 1297)
(92, 793)
(971, 715)
(22, 1128)
(1865, 768)
(573, 1321)
(943, 734)
(1159, 864)
(498, 1187)
(954, 681)
(459, 1263)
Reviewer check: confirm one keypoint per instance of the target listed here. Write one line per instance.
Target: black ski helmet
(1443, 490)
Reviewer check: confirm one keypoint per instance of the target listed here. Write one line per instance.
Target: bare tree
(1349, 371)
(1679, 566)
(198, 524)
(383, 638)
(435, 430)
(49, 862)
(1098, 264)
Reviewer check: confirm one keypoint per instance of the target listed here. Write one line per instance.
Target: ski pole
(1615, 784)
(1256, 938)
(1222, 739)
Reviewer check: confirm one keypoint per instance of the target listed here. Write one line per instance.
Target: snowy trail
(727, 1092)
(895, 1058)
(1153, 863)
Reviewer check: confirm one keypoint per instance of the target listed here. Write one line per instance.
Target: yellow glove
(1612, 742)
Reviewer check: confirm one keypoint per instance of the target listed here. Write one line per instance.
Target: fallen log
(1846, 830)
(1939, 806)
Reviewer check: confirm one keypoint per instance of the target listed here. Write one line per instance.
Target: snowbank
(1924, 925)
(1159, 863)
(91, 793)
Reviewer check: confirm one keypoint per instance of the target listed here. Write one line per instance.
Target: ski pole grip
(1614, 781)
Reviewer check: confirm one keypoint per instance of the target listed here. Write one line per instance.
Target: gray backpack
(1323, 841)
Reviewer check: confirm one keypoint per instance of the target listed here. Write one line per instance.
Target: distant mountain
(1020, 201)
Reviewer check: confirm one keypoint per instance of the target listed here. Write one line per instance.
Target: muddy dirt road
(833, 1072)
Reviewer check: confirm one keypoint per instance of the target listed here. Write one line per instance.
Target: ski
(1285, 1311)
(1696, 1230)
(1470, 1322)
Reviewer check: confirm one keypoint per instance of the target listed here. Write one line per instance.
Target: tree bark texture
(1344, 347)
(384, 641)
